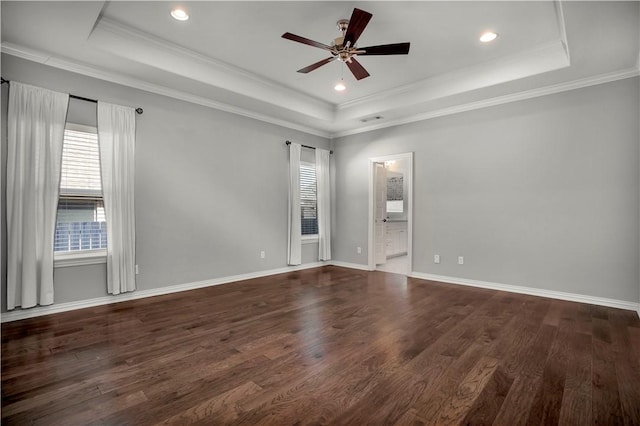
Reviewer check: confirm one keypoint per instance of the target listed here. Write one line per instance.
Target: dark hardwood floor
(327, 345)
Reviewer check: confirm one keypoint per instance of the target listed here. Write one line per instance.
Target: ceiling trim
(562, 28)
(116, 27)
(90, 71)
(24, 52)
(543, 58)
(40, 57)
(500, 100)
(555, 48)
(130, 43)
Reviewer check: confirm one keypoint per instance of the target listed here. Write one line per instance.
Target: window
(308, 199)
(80, 223)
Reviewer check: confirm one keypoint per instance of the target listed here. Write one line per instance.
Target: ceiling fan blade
(386, 49)
(357, 69)
(357, 23)
(303, 40)
(316, 65)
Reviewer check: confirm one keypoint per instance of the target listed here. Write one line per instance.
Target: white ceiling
(230, 55)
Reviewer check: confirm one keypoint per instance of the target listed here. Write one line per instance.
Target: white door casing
(380, 234)
(408, 157)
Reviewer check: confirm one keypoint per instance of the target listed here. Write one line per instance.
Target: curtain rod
(306, 146)
(80, 98)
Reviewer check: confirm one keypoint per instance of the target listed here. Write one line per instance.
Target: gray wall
(211, 187)
(541, 193)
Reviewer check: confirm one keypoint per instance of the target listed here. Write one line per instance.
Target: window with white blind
(80, 225)
(308, 199)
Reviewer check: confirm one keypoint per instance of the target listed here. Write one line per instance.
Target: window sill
(87, 257)
(310, 239)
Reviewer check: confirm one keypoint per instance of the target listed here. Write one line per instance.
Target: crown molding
(132, 44)
(116, 27)
(419, 86)
(113, 77)
(557, 4)
(543, 58)
(24, 52)
(500, 100)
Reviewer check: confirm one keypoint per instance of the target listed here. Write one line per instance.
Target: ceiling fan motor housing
(342, 25)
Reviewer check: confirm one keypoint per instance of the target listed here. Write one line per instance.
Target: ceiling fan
(344, 47)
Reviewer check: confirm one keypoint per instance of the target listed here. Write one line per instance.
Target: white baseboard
(572, 297)
(349, 265)
(20, 314)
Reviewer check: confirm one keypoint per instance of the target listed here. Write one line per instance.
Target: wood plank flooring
(325, 346)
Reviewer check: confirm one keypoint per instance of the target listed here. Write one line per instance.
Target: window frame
(79, 257)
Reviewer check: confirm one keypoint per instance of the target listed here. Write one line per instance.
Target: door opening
(390, 213)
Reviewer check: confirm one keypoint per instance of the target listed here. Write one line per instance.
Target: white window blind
(80, 223)
(80, 163)
(308, 199)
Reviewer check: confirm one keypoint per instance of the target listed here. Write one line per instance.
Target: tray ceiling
(230, 55)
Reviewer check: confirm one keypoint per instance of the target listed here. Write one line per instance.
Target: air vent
(372, 118)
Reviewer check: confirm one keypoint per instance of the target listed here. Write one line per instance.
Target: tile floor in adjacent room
(395, 265)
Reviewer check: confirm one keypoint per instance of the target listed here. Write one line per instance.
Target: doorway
(391, 213)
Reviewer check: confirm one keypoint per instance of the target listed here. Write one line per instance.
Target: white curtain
(324, 204)
(116, 137)
(36, 119)
(294, 243)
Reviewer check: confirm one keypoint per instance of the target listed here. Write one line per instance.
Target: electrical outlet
(359, 250)
(460, 260)
(436, 258)
(137, 271)
(262, 254)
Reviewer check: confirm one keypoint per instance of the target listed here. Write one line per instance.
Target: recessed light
(488, 36)
(339, 87)
(179, 14)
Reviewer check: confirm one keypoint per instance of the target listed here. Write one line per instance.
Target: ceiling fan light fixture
(179, 14)
(339, 87)
(488, 36)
